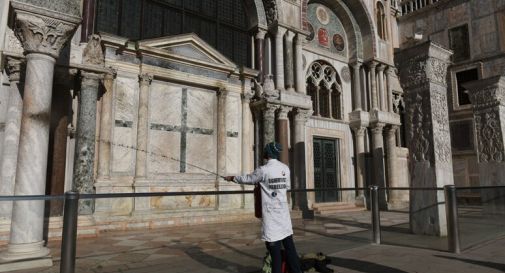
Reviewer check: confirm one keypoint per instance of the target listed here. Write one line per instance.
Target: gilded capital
(42, 34)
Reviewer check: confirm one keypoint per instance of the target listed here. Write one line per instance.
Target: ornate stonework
(93, 52)
(145, 79)
(303, 115)
(40, 34)
(14, 69)
(283, 112)
(441, 130)
(418, 128)
(489, 134)
(271, 10)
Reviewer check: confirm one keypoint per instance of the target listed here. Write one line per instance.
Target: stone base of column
(397, 205)
(360, 201)
(25, 256)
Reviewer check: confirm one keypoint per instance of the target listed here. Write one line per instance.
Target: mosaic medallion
(346, 74)
(312, 34)
(338, 42)
(322, 15)
(322, 35)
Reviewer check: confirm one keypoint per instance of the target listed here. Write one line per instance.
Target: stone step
(340, 210)
(330, 205)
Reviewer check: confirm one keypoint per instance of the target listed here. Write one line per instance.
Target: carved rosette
(41, 34)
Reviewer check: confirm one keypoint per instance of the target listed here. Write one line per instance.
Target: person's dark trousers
(292, 259)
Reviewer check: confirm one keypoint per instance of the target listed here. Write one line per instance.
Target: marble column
(222, 94)
(85, 139)
(373, 84)
(394, 196)
(299, 177)
(279, 58)
(359, 135)
(269, 123)
(289, 62)
(104, 148)
(357, 86)
(42, 39)
(9, 155)
(246, 132)
(299, 75)
(488, 103)
(381, 90)
(423, 74)
(143, 126)
(379, 178)
(318, 90)
(283, 133)
(260, 53)
(389, 82)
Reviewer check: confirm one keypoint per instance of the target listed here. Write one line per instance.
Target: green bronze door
(326, 169)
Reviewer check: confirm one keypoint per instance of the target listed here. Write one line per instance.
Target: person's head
(272, 150)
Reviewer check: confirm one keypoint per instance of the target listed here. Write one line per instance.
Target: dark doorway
(326, 169)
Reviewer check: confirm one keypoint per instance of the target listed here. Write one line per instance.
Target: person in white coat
(277, 230)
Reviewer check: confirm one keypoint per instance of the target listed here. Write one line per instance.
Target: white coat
(274, 179)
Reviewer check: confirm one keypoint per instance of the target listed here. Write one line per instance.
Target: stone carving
(12, 44)
(398, 103)
(437, 71)
(14, 69)
(271, 10)
(93, 52)
(145, 79)
(40, 34)
(283, 112)
(490, 140)
(303, 115)
(346, 74)
(267, 90)
(440, 117)
(419, 129)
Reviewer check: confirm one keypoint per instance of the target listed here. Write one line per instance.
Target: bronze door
(326, 169)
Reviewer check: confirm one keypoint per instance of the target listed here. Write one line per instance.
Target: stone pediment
(186, 48)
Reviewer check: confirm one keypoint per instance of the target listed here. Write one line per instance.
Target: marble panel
(163, 146)
(183, 202)
(201, 108)
(165, 104)
(202, 153)
(231, 201)
(124, 133)
(234, 135)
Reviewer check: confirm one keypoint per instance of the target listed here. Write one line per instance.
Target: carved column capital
(381, 67)
(299, 39)
(290, 35)
(145, 79)
(269, 111)
(41, 34)
(14, 69)
(356, 65)
(391, 130)
(280, 31)
(303, 115)
(359, 131)
(260, 35)
(372, 64)
(378, 128)
(91, 79)
(283, 112)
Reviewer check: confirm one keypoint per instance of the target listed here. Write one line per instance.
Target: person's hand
(229, 178)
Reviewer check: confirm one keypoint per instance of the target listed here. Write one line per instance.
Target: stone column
(269, 123)
(260, 53)
(380, 76)
(423, 73)
(143, 126)
(279, 58)
(289, 63)
(317, 101)
(9, 155)
(221, 131)
(42, 40)
(299, 177)
(378, 161)
(300, 77)
(105, 129)
(389, 81)
(283, 133)
(357, 86)
(394, 196)
(246, 132)
(488, 102)
(359, 134)
(373, 84)
(85, 139)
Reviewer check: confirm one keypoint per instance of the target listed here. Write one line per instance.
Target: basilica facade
(114, 96)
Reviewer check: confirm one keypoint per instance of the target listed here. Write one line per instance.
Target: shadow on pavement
(475, 262)
(197, 254)
(363, 266)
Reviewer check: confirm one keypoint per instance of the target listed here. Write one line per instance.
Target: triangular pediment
(188, 47)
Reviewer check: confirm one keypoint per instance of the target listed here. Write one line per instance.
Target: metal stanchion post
(69, 236)
(451, 208)
(376, 221)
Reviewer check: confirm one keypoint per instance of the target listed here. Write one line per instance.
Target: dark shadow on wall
(363, 266)
(492, 265)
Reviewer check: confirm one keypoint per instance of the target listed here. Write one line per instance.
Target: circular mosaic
(312, 33)
(322, 15)
(338, 42)
(346, 74)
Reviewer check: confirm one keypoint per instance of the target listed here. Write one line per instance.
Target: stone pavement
(236, 247)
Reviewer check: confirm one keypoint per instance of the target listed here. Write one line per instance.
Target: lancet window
(325, 89)
(381, 21)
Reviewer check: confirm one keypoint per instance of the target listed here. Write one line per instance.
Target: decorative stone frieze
(271, 11)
